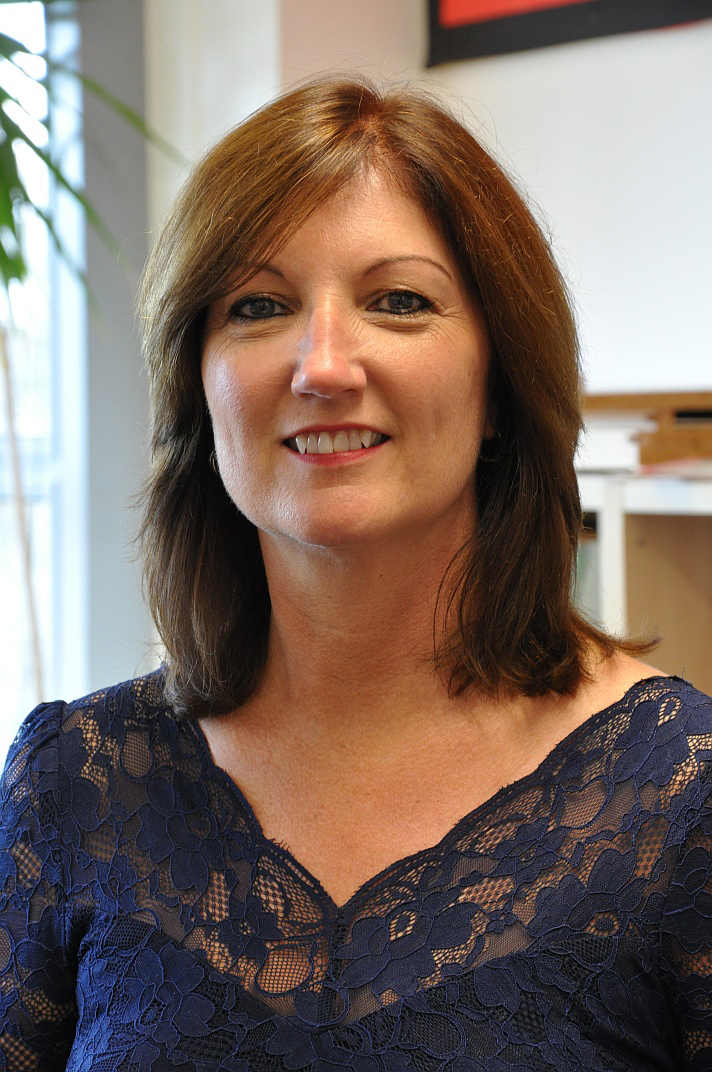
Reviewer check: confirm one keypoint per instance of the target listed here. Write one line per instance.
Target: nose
(327, 362)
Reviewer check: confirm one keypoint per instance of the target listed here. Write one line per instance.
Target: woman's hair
(513, 625)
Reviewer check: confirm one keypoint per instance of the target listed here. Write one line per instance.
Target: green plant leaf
(16, 132)
(128, 114)
(12, 266)
(10, 45)
(13, 192)
(6, 96)
(12, 263)
(64, 253)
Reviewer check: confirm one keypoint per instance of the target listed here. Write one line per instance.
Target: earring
(494, 453)
(213, 459)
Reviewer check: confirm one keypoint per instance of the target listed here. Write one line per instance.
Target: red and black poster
(464, 29)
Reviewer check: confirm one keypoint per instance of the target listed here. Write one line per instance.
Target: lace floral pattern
(146, 924)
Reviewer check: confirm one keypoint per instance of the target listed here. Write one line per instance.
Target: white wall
(384, 39)
(209, 64)
(612, 138)
(114, 628)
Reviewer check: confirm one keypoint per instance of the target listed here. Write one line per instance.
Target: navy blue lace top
(146, 924)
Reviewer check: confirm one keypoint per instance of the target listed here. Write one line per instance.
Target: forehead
(369, 215)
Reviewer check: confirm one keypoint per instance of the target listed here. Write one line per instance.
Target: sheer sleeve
(687, 934)
(37, 978)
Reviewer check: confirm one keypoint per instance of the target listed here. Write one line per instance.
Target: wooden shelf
(681, 422)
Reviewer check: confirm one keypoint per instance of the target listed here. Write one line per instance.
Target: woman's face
(347, 379)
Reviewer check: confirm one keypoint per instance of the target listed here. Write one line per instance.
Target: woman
(477, 835)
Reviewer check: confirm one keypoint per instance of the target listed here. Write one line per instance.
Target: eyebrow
(385, 262)
(255, 269)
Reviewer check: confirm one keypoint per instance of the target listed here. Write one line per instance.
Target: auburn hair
(514, 626)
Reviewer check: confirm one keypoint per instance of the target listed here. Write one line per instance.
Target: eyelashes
(257, 307)
(396, 303)
(401, 303)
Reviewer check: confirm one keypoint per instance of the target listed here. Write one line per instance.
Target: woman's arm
(38, 1010)
(687, 934)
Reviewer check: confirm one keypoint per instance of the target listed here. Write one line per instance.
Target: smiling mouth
(325, 443)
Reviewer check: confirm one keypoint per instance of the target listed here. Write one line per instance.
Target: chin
(332, 531)
(335, 536)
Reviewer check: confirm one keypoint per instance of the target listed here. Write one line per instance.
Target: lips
(322, 442)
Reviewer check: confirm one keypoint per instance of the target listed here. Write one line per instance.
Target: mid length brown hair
(515, 625)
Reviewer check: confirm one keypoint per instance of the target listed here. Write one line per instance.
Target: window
(95, 629)
(33, 393)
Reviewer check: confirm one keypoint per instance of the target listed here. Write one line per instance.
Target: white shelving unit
(654, 564)
(613, 497)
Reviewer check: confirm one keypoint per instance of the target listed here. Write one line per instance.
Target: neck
(352, 631)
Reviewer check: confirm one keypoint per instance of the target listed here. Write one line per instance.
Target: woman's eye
(401, 303)
(259, 308)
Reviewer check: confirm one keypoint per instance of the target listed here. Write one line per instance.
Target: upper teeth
(324, 443)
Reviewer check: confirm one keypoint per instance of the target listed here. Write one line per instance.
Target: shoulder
(642, 709)
(117, 717)
(649, 750)
(664, 714)
(660, 750)
(662, 709)
(60, 742)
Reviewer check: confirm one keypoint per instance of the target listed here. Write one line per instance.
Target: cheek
(472, 397)
(228, 396)
(227, 399)
(453, 399)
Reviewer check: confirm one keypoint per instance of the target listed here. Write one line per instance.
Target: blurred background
(611, 137)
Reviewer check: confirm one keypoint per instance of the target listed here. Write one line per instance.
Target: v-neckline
(334, 910)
